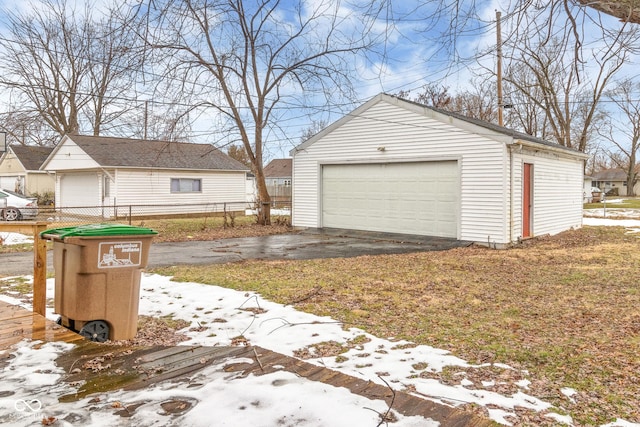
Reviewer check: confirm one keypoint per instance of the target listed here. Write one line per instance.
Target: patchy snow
(632, 225)
(30, 382)
(219, 398)
(14, 239)
(621, 423)
(280, 397)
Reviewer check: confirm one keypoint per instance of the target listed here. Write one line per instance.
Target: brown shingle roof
(125, 152)
(615, 174)
(278, 168)
(31, 156)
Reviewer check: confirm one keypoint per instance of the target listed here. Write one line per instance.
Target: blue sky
(416, 52)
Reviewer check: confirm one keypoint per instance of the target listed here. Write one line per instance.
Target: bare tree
(624, 133)
(315, 127)
(477, 103)
(566, 71)
(240, 154)
(249, 61)
(432, 94)
(26, 128)
(114, 62)
(66, 68)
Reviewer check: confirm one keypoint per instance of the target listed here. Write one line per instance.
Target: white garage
(392, 197)
(106, 176)
(79, 189)
(400, 167)
(8, 182)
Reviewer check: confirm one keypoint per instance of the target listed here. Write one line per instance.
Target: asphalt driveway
(308, 244)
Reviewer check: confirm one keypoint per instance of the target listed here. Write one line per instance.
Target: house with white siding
(20, 170)
(401, 167)
(150, 177)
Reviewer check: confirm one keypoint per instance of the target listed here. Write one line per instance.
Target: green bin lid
(92, 230)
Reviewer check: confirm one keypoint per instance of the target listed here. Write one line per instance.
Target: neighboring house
(587, 191)
(154, 177)
(20, 170)
(277, 176)
(614, 179)
(401, 167)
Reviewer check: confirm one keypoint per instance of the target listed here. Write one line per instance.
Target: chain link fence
(158, 215)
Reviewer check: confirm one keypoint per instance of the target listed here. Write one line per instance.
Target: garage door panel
(414, 198)
(79, 190)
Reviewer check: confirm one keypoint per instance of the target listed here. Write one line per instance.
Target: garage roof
(471, 124)
(31, 156)
(126, 152)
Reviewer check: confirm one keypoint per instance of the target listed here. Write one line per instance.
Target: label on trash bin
(119, 254)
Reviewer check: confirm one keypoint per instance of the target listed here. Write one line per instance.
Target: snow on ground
(30, 382)
(14, 239)
(274, 399)
(218, 398)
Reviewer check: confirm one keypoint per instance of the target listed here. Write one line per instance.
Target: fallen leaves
(562, 307)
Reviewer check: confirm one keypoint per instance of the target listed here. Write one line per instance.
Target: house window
(186, 185)
(287, 182)
(107, 187)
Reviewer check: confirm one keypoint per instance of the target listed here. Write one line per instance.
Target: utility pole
(146, 119)
(499, 68)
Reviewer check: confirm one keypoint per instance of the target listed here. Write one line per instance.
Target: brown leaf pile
(166, 234)
(156, 331)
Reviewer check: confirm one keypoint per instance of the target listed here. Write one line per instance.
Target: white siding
(557, 192)
(408, 135)
(69, 157)
(153, 187)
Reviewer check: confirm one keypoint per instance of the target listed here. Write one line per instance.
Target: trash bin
(97, 278)
(595, 196)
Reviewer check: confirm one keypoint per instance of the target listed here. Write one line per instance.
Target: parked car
(17, 206)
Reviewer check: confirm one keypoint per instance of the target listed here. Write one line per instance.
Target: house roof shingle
(31, 156)
(125, 152)
(614, 174)
(279, 168)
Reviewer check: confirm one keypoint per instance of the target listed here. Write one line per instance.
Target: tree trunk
(264, 200)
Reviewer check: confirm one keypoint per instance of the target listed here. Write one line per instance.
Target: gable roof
(459, 120)
(31, 156)
(614, 174)
(137, 153)
(279, 168)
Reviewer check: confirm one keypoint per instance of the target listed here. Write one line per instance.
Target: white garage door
(8, 182)
(79, 190)
(410, 198)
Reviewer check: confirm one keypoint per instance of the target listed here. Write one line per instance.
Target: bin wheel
(95, 330)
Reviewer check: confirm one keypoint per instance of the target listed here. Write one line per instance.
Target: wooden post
(39, 270)
(39, 259)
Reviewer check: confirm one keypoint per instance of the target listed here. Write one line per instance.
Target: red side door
(527, 199)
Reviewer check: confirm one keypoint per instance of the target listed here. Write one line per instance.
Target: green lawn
(627, 203)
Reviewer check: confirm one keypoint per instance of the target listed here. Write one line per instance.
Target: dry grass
(565, 308)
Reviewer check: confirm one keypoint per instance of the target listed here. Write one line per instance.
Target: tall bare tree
(477, 103)
(624, 130)
(66, 68)
(250, 60)
(566, 67)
